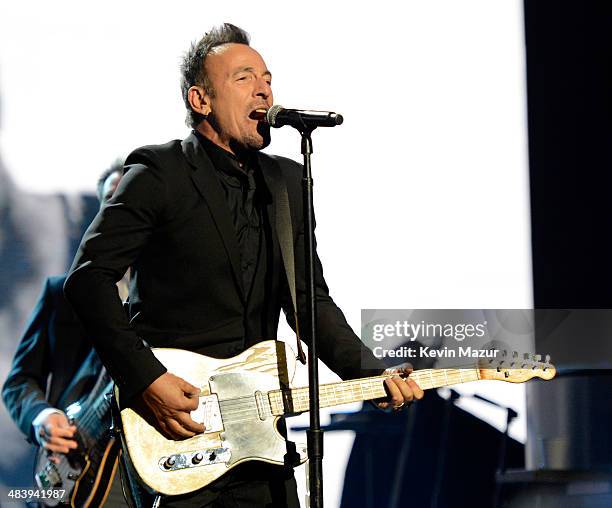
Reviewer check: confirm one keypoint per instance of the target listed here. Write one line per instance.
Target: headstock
(509, 367)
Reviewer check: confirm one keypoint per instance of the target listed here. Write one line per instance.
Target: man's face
(241, 83)
(110, 186)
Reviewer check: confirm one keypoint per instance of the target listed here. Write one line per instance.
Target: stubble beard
(248, 142)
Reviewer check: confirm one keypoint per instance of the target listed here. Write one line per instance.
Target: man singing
(194, 219)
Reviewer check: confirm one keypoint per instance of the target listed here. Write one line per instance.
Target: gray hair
(193, 72)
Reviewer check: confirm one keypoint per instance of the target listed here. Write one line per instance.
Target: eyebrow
(251, 69)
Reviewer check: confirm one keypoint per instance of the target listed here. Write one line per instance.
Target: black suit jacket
(51, 351)
(168, 220)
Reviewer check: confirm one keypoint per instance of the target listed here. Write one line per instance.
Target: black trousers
(253, 484)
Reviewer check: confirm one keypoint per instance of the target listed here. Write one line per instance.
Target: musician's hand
(171, 399)
(57, 434)
(401, 389)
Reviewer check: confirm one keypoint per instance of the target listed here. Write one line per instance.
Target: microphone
(277, 116)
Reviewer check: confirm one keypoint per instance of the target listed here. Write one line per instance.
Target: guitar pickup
(208, 413)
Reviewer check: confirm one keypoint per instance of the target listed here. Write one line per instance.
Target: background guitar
(87, 472)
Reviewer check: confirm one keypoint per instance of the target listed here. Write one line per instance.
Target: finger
(60, 431)
(167, 431)
(55, 448)
(416, 389)
(395, 395)
(188, 388)
(164, 429)
(408, 368)
(190, 403)
(405, 389)
(58, 441)
(61, 421)
(185, 420)
(177, 430)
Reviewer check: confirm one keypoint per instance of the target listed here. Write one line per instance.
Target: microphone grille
(271, 114)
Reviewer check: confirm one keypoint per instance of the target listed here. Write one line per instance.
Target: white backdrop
(421, 196)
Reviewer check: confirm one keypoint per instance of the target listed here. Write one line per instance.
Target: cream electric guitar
(242, 399)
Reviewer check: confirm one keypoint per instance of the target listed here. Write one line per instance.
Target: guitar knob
(197, 458)
(170, 461)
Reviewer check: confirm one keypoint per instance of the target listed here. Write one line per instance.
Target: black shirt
(239, 182)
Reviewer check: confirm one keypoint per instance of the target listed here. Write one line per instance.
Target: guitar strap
(284, 230)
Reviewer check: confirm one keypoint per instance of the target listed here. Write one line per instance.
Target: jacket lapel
(207, 183)
(272, 175)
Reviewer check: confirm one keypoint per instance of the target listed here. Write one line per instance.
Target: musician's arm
(23, 391)
(110, 245)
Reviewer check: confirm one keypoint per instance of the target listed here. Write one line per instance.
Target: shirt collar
(224, 161)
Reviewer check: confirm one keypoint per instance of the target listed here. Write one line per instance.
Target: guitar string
(333, 389)
(230, 415)
(349, 387)
(352, 385)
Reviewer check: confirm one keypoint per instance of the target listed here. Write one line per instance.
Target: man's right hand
(171, 399)
(57, 434)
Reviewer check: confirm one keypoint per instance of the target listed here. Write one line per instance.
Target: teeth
(258, 114)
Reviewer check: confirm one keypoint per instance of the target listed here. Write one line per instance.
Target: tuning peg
(504, 353)
(547, 359)
(526, 356)
(537, 358)
(514, 354)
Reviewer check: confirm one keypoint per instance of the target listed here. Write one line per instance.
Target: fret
(356, 390)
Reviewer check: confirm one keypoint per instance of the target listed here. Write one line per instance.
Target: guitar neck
(296, 400)
(94, 420)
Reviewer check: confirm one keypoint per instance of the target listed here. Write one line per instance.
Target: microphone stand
(314, 434)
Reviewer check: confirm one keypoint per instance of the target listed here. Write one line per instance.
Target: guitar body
(92, 487)
(235, 410)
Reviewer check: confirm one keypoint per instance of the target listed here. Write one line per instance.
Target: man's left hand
(401, 389)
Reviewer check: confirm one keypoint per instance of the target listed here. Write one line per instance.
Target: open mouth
(258, 114)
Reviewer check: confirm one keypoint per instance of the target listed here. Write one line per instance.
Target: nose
(263, 88)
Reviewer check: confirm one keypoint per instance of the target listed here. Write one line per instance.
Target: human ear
(199, 100)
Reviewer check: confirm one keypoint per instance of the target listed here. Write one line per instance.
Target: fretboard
(296, 400)
(95, 419)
